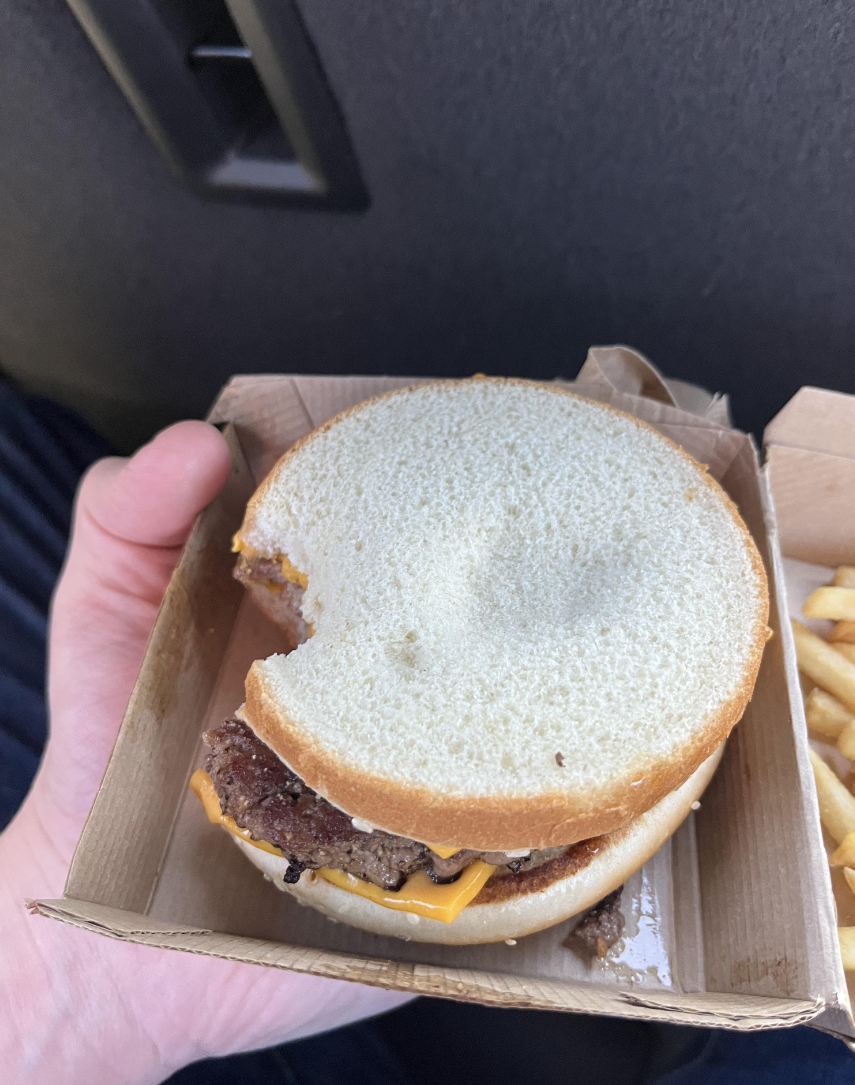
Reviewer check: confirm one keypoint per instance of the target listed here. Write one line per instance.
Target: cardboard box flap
(620, 369)
(744, 1012)
(697, 400)
(271, 412)
(810, 452)
(737, 1009)
(625, 370)
(623, 378)
(817, 420)
(115, 922)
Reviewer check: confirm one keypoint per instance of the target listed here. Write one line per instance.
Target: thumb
(132, 516)
(131, 519)
(153, 498)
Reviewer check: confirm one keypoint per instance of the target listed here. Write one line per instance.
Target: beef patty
(264, 796)
(277, 597)
(602, 926)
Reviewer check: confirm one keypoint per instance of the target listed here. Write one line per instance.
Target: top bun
(534, 616)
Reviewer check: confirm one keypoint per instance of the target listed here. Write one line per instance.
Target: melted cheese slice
(419, 895)
(443, 853)
(292, 573)
(203, 785)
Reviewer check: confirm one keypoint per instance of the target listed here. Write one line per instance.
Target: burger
(519, 627)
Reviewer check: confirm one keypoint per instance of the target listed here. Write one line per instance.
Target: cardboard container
(810, 462)
(729, 925)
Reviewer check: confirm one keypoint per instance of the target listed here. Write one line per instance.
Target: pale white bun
(534, 908)
(534, 616)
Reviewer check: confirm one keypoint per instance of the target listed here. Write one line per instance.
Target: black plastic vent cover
(233, 95)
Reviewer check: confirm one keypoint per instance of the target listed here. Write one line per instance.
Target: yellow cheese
(443, 853)
(289, 571)
(203, 785)
(419, 895)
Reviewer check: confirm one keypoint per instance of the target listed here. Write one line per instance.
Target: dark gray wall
(544, 174)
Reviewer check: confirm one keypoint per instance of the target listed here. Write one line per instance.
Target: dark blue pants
(43, 451)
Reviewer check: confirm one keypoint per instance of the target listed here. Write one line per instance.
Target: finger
(153, 498)
(131, 518)
(131, 515)
(212, 1007)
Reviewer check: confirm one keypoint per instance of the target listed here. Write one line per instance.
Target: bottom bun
(512, 905)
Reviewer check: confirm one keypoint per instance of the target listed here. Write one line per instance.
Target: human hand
(78, 1007)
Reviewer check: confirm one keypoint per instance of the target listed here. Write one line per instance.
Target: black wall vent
(233, 94)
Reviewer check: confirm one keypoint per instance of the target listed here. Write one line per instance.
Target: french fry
(836, 804)
(835, 603)
(844, 855)
(846, 936)
(846, 741)
(825, 715)
(844, 577)
(846, 650)
(827, 667)
(843, 633)
(849, 875)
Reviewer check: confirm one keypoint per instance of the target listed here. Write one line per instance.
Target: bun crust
(543, 897)
(503, 824)
(542, 816)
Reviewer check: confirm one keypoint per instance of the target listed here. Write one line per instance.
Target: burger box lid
(728, 925)
(810, 465)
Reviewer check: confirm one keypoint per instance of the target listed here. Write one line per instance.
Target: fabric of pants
(44, 450)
